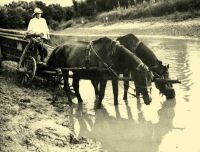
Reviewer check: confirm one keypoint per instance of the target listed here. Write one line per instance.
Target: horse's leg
(101, 93)
(126, 86)
(95, 85)
(115, 90)
(66, 85)
(137, 90)
(75, 84)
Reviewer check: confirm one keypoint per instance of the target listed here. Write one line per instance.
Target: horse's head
(162, 72)
(142, 79)
(142, 75)
(129, 41)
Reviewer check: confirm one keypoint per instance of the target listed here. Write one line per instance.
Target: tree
(68, 13)
(75, 7)
(139, 1)
(106, 5)
(3, 17)
(56, 12)
(15, 18)
(123, 3)
(132, 2)
(18, 14)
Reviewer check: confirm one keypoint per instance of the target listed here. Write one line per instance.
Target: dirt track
(28, 122)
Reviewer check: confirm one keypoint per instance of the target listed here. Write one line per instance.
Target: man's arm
(47, 29)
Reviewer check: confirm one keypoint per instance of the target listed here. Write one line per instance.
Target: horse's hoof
(125, 98)
(126, 101)
(116, 103)
(70, 103)
(98, 106)
(147, 101)
(80, 100)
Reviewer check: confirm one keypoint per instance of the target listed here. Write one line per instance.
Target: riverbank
(29, 122)
(149, 26)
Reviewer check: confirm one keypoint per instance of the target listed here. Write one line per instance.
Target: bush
(160, 8)
(53, 24)
(67, 24)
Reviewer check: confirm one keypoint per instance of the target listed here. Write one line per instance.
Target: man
(38, 29)
(38, 25)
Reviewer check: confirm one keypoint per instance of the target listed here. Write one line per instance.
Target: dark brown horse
(147, 56)
(98, 61)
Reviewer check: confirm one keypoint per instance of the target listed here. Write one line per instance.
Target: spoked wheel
(27, 71)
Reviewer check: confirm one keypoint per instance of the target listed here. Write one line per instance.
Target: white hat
(37, 11)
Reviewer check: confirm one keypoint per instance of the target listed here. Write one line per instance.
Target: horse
(148, 57)
(98, 61)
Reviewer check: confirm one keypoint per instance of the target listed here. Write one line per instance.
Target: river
(165, 125)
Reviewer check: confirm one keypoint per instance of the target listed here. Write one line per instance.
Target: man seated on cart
(39, 30)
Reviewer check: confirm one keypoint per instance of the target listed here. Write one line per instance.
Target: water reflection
(120, 134)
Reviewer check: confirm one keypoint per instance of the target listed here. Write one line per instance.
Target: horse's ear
(118, 38)
(167, 66)
(159, 62)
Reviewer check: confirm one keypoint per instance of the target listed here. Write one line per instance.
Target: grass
(162, 8)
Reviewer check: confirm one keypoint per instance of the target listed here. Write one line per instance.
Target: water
(165, 125)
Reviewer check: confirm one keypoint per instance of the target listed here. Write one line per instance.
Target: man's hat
(37, 11)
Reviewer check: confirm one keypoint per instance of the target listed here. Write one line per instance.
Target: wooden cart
(15, 48)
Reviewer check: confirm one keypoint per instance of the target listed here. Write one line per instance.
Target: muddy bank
(29, 122)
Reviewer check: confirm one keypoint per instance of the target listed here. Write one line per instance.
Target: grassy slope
(170, 17)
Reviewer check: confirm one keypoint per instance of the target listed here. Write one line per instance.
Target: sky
(61, 2)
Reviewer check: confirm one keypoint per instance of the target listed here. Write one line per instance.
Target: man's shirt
(38, 26)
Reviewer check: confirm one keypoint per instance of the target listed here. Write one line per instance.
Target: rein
(109, 68)
(104, 63)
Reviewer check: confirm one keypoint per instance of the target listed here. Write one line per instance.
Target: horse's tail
(52, 59)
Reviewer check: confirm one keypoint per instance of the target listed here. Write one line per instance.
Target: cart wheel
(27, 71)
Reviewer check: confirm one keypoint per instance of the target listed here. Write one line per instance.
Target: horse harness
(87, 58)
(91, 48)
(117, 43)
